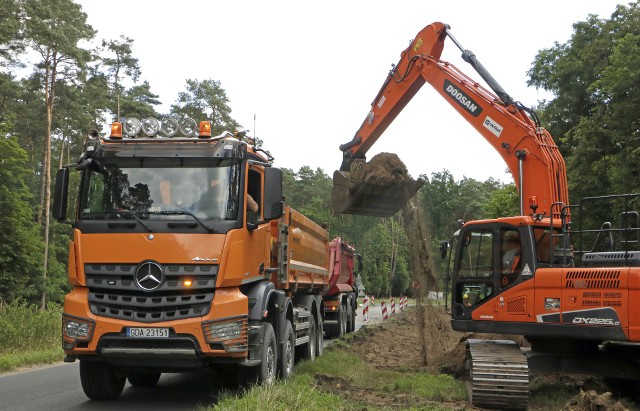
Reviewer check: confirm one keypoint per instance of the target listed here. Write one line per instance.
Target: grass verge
(29, 336)
(342, 381)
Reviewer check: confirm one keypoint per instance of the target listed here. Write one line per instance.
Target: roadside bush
(26, 328)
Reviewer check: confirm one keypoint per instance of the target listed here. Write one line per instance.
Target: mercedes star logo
(149, 276)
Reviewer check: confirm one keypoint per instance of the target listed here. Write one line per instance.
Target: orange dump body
(307, 258)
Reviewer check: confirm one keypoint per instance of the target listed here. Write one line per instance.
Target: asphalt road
(57, 387)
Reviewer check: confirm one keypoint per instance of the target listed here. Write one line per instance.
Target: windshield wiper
(176, 212)
(132, 214)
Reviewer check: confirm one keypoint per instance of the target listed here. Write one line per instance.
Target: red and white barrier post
(393, 306)
(384, 311)
(373, 300)
(365, 309)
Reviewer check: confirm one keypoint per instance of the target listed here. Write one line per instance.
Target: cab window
(476, 255)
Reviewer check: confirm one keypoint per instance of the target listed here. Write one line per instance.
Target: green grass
(296, 393)
(29, 336)
(319, 385)
(545, 395)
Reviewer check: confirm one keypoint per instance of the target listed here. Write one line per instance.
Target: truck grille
(113, 292)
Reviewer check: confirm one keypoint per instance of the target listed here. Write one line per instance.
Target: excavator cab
(380, 187)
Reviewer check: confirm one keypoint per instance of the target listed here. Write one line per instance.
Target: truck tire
(330, 331)
(337, 330)
(100, 381)
(287, 354)
(307, 351)
(265, 373)
(144, 380)
(352, 319)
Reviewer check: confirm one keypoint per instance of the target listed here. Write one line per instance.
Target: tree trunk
(49, 98)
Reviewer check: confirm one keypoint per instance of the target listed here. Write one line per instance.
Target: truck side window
(95, 195)
(253, 193)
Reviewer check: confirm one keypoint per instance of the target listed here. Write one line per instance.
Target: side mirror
(444, 248)
(60, 195)
(273, 202)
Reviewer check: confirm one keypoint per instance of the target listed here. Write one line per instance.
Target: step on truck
(184, 255)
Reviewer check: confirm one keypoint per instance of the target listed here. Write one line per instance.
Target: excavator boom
(512, 129)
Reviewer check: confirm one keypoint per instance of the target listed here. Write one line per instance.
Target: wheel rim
(289, 354)
(271, 365)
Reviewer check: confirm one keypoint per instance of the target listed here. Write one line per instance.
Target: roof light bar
(152, 127)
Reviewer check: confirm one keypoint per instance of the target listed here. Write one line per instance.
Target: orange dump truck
(184, 256)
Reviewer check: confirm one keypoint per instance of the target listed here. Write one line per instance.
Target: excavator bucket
(375, 189)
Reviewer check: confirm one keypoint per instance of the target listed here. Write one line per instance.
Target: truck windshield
(158, 188)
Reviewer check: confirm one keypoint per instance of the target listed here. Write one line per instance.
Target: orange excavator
(570, 287)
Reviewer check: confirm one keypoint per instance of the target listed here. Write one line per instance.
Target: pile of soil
(384, 169)
(393, 344)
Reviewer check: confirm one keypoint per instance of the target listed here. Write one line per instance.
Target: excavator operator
(511, 257)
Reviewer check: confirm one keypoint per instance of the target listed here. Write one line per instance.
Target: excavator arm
(512, 129)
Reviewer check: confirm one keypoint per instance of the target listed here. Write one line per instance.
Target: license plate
(144, 332)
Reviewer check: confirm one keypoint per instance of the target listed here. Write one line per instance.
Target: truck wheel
(287, 356)
(100, 381)
(144, 380)
(265, 373)
(308, 350)
(330, 330)
(352, 321)
(343, 320)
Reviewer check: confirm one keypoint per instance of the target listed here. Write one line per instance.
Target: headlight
(132, 126)
(169, 127)
(75, 329)
(189, 127)
(230, 333)
(150, 126)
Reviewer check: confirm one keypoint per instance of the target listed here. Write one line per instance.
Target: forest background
(47, 109)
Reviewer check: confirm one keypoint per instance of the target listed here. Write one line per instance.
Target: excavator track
(499, 374)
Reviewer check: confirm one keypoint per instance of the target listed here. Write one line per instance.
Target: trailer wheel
(265, 373)
(307, 351)
(287, 355)
(342, 322)
(331, 331)
(100, 381)
(353, 319)
(144, 380)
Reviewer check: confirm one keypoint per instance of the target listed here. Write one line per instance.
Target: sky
(308, 71)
